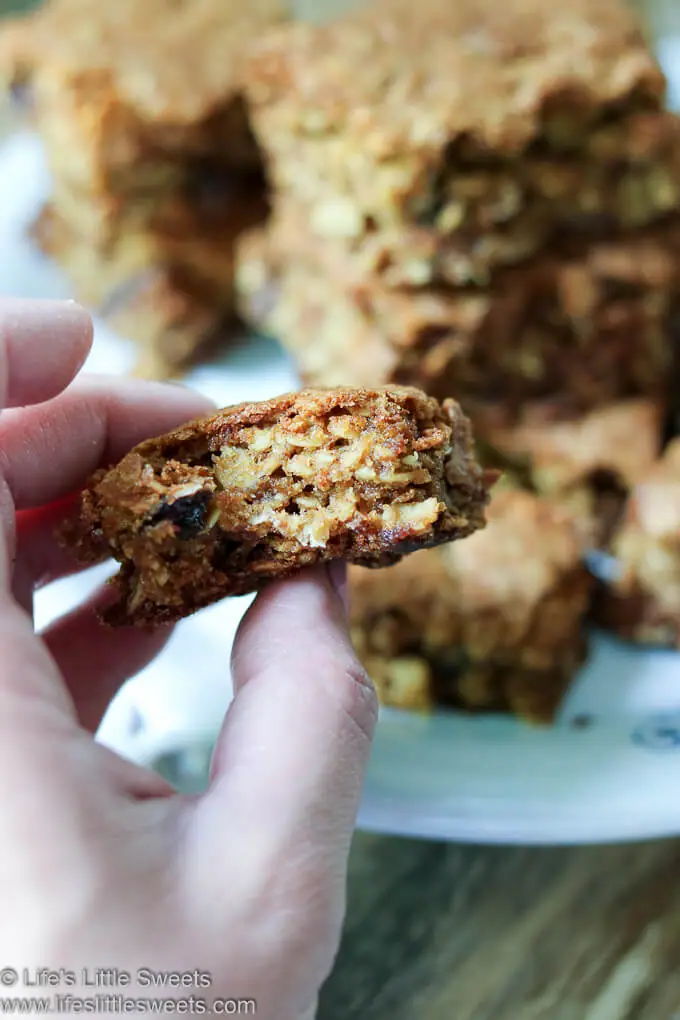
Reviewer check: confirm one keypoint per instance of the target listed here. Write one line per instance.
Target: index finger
(49, 451)
(42, 346)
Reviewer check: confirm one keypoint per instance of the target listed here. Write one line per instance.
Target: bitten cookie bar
(495, 624)
(642, 603)
(260, 490)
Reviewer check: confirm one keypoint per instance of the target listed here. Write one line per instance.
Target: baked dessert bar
(139, 99)
(642, 601)
(587, 326)
(494, 624)
(260, 490)
(153, 162)
(588, 464)
(457, 137)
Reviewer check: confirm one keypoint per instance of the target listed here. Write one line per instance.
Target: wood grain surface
(444, 932)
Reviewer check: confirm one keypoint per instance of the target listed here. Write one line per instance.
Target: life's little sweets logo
(658, 733)
(104, 977)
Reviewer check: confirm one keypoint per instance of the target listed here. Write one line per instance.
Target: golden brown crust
(403, 77)
(493, 624)
(260, 490)
(140, 51)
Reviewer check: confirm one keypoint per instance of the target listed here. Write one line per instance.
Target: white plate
(446, 776)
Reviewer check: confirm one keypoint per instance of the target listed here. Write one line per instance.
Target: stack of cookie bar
(486, 193)
(155, 170)
(482, 200)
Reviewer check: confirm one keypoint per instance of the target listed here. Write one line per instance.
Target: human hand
(102, 864)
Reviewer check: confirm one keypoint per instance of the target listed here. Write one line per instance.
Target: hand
(102, 864)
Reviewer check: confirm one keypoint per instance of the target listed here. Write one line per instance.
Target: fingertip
(43, 345)
(167, 403)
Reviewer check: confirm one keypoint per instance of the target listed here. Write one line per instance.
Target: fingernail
(337, 576)
(56, 316)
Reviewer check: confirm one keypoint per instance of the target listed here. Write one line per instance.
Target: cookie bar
(464, 136)
(127, 96)
(642, 601)
(153, 163)
(260, 490)
(590, 326)
(495, 624)
(588, 464)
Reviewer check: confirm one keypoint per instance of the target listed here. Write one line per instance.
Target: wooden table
(445, 932)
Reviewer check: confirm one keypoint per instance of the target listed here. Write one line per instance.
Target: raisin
(187, 514)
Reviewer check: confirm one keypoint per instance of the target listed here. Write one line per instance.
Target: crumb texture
(405, 76)
(260, 490)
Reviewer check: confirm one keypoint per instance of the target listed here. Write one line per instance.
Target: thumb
(292, 756)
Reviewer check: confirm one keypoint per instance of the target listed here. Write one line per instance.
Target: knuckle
(358, 699)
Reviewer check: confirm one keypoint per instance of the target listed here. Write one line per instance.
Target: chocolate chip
(188, 514)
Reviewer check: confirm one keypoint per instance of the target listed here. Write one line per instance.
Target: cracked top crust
(406, 76)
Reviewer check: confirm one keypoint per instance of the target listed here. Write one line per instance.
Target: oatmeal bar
(154, 166)
(493, 625)
(642, 602)
(486, 131)
(587, 464)
(260, 490)
(592, 325)
(125, 92)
